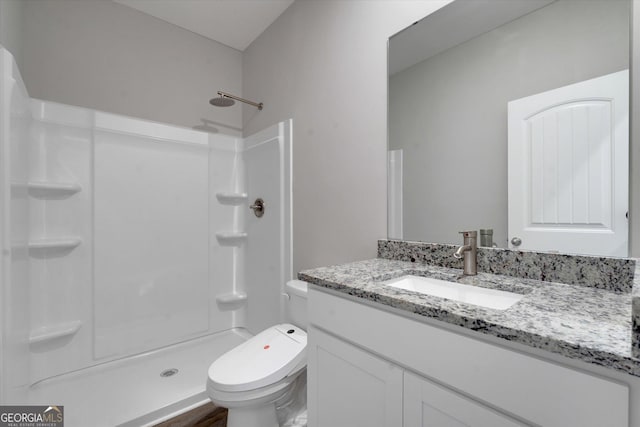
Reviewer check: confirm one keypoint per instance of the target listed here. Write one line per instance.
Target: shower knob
(258, 207)
(516, 241)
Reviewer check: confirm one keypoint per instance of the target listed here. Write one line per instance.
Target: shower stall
(130, 257)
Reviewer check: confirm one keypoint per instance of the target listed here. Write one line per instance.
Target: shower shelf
(63, 243)
(232, 300)
(45, 189)
(49, 333)
(232, 198)
(231, 238)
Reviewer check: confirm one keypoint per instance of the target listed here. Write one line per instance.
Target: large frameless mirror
(512, 117)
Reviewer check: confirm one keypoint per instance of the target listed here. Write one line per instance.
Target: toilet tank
(296, 304)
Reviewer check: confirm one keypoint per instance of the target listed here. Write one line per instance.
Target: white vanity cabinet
(355, 387)
(427, 404)
(369, 367)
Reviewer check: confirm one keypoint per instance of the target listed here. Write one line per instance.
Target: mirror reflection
(512, 117)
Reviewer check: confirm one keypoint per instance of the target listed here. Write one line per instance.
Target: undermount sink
(490, 298)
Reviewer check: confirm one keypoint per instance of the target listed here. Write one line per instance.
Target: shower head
(227, 100)
(221, 101)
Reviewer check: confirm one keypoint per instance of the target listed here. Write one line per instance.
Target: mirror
(455, 79)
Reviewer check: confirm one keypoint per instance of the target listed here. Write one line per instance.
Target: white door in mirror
(569, 168)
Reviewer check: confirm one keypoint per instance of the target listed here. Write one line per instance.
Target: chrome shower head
(227, 100)
(221, 101)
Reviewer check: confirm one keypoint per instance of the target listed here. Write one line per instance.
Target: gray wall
(449, 113)
(11, 27)
(324, 64)
(634, 184)
(106, 56)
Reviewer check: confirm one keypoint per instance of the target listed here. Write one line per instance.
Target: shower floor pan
(132, 392)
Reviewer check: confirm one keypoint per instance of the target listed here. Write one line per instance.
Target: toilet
(252, 379)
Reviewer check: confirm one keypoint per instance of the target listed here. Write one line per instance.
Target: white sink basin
(490, 298)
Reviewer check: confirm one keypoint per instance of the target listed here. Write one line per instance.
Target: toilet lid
(260, 361)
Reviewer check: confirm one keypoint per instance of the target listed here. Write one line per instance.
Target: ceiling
(453, 24)
(235, 23)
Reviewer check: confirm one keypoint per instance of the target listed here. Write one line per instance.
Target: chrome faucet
(469, 250)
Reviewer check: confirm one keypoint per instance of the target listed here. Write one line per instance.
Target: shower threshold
(141, 390)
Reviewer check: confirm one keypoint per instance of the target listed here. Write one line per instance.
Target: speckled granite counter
(579, 322)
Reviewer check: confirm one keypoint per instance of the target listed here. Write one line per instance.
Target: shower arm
(237, 98)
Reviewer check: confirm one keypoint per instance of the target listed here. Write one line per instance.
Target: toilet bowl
(250, 379)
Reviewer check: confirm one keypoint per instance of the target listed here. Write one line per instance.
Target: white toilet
(251, 379)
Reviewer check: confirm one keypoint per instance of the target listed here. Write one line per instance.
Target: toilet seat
(266, 394)
(260, 361)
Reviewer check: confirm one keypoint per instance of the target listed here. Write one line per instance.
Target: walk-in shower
(126, 247)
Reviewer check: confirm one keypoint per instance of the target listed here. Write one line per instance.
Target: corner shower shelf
(50, 333)
(63, 243)
(231, 301)
(45, 189)
(231, 238)
(232, 198)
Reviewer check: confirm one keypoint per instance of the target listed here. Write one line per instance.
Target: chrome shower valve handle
(258, 207)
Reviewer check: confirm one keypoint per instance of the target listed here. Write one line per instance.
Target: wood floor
(208, 415)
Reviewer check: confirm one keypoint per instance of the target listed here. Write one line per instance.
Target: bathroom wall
(324, 64)
(109, 57)
(11, 12)
(321, 63)
(448, 166)
(634, 170)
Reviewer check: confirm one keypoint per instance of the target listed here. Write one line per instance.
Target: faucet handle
(472, 233)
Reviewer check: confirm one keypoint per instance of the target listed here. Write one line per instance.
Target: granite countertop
(579, 322)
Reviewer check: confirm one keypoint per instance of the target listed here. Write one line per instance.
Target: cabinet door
(427, 404)
(349, 387)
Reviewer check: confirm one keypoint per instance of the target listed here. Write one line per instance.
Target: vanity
(561, 355)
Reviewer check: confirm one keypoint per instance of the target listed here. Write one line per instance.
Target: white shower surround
(110, 255)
